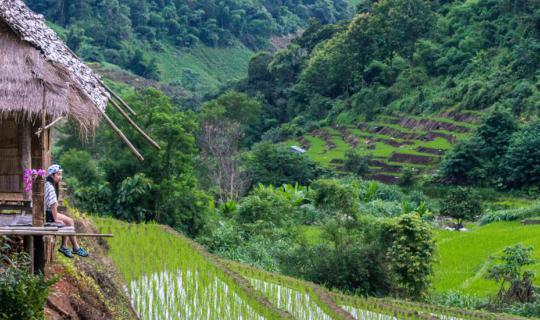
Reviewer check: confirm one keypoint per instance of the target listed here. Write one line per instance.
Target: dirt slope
(89, 288)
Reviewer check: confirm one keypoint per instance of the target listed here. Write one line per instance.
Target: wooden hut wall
(12, 155)
(10, 164)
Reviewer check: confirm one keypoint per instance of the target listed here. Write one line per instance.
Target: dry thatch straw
(34, 60)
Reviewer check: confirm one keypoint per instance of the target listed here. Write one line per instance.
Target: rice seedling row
(170, 279)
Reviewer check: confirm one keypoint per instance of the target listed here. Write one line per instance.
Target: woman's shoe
(81, 252)
(65, 251)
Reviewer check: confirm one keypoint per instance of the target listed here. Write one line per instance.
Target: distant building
(297, 149)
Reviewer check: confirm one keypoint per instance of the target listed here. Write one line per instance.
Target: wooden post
(26, 152)
(38, 197)
(29, 248)
(38, 220)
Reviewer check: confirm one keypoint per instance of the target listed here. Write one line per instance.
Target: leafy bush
(461, 204)
(269, 204)
(275, 164)
(511, 214)
(336, 198)
(22, 294)
(458, 299)
(356, 163)
(530, 309)
(381, 208)
(410, 255)
(515, 282)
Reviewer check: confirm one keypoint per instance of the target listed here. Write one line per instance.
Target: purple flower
(30, 175)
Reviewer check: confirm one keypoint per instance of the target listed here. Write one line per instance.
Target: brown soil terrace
(462, 116)
(434, 151)
(326, 137)
(395, 133)
(304, 142)
(348, 137)
(429, 125)
(411, 158)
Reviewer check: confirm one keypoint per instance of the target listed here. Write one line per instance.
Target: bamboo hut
(41, 81)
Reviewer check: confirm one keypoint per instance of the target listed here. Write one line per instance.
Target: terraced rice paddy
(392, 143)
(171, 277)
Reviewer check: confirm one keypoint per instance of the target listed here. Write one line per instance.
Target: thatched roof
(32, 57)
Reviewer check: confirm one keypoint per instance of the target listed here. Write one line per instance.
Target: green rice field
(464, 257)
(171, 277)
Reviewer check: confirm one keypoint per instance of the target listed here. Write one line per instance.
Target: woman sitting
(52, 192)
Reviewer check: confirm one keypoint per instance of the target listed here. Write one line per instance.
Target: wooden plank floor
(7, 220)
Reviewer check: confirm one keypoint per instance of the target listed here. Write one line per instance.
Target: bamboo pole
(134, 125)
(122, 136)
(107, 88)
(53, 123)
(118, 98)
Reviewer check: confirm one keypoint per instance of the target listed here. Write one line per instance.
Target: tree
(410, 255)
(232, 106)
(356, 163)
(461, 204)
(224, 122)
(462, 165)
(515, 283)
(219, 142)
(522, 160)
(276, 164)
(336, 198)
(164, 187)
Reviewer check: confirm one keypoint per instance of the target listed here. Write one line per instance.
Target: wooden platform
(21, 224)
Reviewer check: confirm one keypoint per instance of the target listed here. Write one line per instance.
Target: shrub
(273, 164)
(380, 208)
(356, 163)
(458, 299)
(22, 294)
(267, 204)
(461, 204)
(410, 255)
(515, 283)
(336, 197)
(511, 214)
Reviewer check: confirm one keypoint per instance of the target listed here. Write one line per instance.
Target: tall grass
(511, 214)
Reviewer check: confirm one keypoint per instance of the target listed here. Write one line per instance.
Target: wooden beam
(134, 125)
(123, 137)
(37, 233)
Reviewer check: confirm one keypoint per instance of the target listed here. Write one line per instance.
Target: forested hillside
(405, 56)
(144, 35)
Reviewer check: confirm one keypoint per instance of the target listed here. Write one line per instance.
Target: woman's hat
(54, 169)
